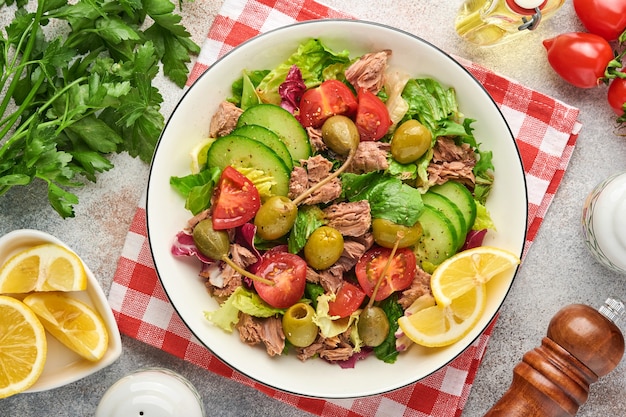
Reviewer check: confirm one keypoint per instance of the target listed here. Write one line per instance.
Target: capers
(212, 243)
(340, 134)
(373, 326)
(298, 325)
(386, 233)
(275, 217)
(410, 141)
(324, 247)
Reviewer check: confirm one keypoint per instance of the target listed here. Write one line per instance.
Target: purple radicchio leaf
(474, 239)
(291, 89)
(184, 246)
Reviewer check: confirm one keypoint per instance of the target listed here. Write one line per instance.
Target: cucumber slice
(267, 138)
(461, 197)
(439, 240)
(282, 123)
(450, 210)
(243, 152)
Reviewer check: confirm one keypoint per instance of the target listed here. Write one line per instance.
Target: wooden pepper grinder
(582, 344)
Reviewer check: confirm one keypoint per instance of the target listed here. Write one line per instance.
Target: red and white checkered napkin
(545, 130)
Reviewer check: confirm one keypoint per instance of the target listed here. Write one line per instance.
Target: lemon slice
(23, 347)
(468, 269)
(435, 326)
(199, 155)
(72, 322)
(46, 267)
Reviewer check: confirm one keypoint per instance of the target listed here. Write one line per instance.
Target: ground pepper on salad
(318, 214)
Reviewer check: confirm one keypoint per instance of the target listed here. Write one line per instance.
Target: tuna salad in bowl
(321, 202)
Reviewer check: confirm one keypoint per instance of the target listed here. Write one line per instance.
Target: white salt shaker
(604, 222)
(151, 392)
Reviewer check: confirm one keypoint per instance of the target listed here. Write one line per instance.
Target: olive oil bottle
(490, 22)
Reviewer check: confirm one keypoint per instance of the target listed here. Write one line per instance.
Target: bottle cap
(525, 7)
(153, 392)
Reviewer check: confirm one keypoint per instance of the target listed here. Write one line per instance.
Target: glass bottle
(489, 22)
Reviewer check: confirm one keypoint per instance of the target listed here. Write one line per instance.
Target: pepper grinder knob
(552, 380)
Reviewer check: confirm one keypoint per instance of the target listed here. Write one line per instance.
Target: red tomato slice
(331, 97)
(372, 117)
(347, 300)
(399, 276)
(288, 271)
(236, 201)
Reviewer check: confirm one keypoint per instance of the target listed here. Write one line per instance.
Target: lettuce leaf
(316, 63)
(389, 197)
(227, 316)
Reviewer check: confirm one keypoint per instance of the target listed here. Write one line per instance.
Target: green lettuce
(316, 63)
(227, 316)
(389, 197)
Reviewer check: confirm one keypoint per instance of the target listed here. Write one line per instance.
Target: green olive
(324, 247)
(275, 218)
(385, 233)
(212, 243)
(340, 134)
(410, 141)
(373, 326)
(298, 325)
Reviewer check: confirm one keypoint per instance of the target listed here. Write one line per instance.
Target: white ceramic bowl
(189, 124)
(62, 365)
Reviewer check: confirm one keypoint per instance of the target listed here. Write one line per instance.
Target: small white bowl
(62, 365)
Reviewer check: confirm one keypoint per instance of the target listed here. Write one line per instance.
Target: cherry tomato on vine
(616, 95)
(372, 117)
(606, 18)
(347, 300)
(236, 201)
(331, 97)
(288, 271)
(399, 275)
(579, 58)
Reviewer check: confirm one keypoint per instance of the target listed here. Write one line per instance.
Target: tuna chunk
(312, 171)
(269, 331)
(452, 162)
(224, 120)
(369, 71)
(351, 219)
(370, 156)
(419, 287)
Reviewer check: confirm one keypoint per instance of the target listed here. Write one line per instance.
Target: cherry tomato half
(347, 300)
(579, 58)
(331, 97)
(236, 201)
(399, 276)
(288, 271)
(372, 116)
(606, 18)
(616, 95)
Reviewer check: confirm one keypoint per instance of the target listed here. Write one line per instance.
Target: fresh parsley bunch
(71, 100)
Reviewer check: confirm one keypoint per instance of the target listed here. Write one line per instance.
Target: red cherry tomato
(616, 95)
(347, 300)
(399, 275)
(236, 201)
(372, 117)
(288, 271)
(606, 18)
(331, 97)
(579, 58)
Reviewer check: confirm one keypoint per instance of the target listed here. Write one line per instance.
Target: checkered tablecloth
(545, 130)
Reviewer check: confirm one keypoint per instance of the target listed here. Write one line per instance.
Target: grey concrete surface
(558, 269)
